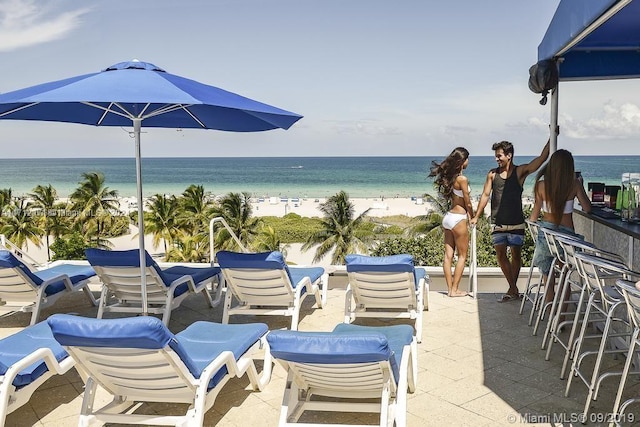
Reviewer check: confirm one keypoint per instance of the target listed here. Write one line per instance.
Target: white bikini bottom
(452, 219)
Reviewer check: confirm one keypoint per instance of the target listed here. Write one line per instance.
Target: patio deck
(478, 365)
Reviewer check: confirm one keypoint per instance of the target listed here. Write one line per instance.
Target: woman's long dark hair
(445, 173)
(559, 177)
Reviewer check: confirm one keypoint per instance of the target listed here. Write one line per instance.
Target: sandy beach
(378, 207)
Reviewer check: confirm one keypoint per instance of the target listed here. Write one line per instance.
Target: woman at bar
(555, 189)
(453, 187)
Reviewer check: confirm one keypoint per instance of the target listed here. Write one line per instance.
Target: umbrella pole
(137, 126)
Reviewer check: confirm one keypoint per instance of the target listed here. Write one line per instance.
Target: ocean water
(277, 176)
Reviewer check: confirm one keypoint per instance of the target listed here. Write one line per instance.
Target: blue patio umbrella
(140, 94)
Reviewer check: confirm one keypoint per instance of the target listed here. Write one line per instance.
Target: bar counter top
(611, 234)
(630, 229)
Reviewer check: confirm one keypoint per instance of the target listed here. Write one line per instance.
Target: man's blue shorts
(507, 238)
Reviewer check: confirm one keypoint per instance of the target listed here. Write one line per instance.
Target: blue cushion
(202, 342)
(390, 264)
(129, 332)
(197, 346)
(298, 273)
(260, 260)
(420, 273)
(17, 346)
(76, 273)
(198, 274)
(9, 260)
(346, 344)
(397, 337)
(131, 258)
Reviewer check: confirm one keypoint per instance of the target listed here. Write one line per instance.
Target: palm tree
(5, 200)
(188, 248)
(161, 220)
(268, 240)
(236, 209)
(339, 230)
(61, 222)
(95, 203)
(195, 209)
(45, 197)
(433, 219)
(22, 226)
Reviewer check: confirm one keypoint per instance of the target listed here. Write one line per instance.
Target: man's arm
(533, 165)
(484, 198)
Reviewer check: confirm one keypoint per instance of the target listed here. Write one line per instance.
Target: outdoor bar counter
(612, 235)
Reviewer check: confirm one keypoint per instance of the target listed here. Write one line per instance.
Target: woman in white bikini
(555, 189)
(454, 188)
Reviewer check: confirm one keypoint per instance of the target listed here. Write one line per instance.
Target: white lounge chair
(263, 284)
(26, 290)
(27, 359)
(352, 369)
(137, 359)
(386, 287)
(119, 272)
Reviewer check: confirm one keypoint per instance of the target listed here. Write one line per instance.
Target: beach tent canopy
(591, 40)
(596, 39)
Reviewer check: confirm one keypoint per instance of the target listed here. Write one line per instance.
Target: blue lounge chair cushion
(131, 258)
(267, 260)
(17, 346)
(391, 264)
(262, 260)
(202, 342)
(197, 346)
(346, 344)
(131, 332)
(298, 273)
(76, 273)
(198, 274)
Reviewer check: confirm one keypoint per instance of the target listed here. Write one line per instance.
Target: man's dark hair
(506, 146)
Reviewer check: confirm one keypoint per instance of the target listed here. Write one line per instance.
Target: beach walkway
(478, 365)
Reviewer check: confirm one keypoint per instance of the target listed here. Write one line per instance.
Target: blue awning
(596, 39)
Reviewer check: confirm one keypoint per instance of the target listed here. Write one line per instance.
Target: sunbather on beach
(504, 186)
(454, 187)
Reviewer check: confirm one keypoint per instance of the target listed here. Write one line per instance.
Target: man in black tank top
(504, 186)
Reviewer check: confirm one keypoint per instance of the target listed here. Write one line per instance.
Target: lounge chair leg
(104, 295)
(207, 295)
(227, 305)
(89, 295)
(347, 305)
(35, 314)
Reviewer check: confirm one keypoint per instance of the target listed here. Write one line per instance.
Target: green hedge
(293, 228)
(426, 250)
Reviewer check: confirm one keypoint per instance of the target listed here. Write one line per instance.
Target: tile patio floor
(478, 364)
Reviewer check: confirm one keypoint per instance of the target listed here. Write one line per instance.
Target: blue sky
(371, 77)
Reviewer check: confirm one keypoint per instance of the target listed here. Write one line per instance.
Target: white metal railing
(10, 246)
(473, 265)
(211, 236)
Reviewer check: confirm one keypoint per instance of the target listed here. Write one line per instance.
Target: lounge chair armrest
(64, 277)
(304, 283)
(184, 279)
(224, 358)
(44, 354)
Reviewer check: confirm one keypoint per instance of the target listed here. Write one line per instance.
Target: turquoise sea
(276, 176)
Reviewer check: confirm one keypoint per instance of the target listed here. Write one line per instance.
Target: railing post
(473, 265)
